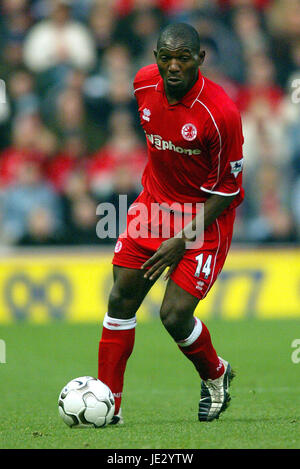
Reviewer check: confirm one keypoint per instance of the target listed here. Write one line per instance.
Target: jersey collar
(191, 96)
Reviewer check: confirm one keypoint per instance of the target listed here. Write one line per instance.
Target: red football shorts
(198, 269)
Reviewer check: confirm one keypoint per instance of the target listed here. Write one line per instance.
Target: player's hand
(168, 254)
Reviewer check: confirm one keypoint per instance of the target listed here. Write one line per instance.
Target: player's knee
(177, 318)
(171, 318)
(117, 304)
(120, 304)
(115, 301)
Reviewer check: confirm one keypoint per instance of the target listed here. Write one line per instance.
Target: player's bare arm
(171, 251)
(213, 208)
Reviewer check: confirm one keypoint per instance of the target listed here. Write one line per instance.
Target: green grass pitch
(161, 388)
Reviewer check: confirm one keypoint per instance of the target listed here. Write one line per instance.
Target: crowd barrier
(74, 286)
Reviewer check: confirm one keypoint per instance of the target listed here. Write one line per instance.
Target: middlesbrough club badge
(189, 132)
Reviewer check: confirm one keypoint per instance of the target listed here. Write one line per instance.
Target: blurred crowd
(69, 131)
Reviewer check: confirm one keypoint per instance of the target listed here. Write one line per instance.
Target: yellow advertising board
(75, 287)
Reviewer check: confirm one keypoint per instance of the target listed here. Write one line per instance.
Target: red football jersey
(194, 146)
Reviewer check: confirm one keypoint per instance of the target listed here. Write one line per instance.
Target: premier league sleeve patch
(236, 167)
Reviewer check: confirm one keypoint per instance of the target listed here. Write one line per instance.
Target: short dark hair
(181, 31)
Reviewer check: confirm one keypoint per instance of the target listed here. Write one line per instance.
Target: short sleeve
(225, 144)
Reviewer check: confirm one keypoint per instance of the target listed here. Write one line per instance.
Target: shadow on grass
(222, 421)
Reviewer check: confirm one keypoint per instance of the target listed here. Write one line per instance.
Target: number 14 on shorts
(206, 268)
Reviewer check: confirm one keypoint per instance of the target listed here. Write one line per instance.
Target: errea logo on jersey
(146, 114)
(161, 144)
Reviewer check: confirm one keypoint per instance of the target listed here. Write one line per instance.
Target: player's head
(178, 34)
(178, 57)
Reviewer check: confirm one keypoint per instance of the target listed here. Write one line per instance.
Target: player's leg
(194, 341)
(191, 334)
(118, 333)
(128, 291)
(191, 281)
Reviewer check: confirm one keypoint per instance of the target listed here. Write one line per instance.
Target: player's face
(178, 66)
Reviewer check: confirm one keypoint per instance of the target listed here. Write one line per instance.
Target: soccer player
(194, 138)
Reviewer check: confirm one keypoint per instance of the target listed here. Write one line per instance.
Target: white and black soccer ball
(86, 402)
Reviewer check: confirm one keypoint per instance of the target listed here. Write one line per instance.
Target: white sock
(118, 324)
(193, 336)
